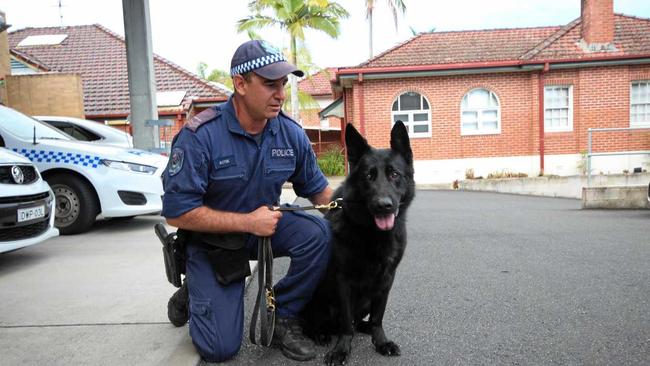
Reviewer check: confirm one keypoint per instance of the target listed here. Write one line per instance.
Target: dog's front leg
(339, 354)
(377, 310)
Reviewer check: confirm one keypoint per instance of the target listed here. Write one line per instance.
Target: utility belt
(227, 254)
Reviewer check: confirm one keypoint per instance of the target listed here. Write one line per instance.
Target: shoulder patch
(202, 118)
(175, 163)
(289, 117)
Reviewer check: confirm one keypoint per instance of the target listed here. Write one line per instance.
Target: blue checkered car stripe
(257, 63)
(42, 156)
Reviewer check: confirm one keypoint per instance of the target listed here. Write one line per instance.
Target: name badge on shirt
(282, 152)
(225, 161)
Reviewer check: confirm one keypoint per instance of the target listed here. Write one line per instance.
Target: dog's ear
(399, 141)
(356, 144)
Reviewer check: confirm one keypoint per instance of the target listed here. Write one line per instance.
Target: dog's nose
(385, 204)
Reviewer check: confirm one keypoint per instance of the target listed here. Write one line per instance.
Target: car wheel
(76, 205)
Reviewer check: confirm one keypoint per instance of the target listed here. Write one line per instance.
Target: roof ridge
(50, 27)
(492, 29)
(550, 39)
(632, 16)
(169, 63)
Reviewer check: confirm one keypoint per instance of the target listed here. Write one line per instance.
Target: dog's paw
(388, 349)
(336, 357)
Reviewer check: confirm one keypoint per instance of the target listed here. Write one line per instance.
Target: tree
(295, 16)
(394, 5)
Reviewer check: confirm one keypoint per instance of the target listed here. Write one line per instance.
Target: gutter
(373, 73)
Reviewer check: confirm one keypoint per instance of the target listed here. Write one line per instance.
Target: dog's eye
(394, 175)
(370, 176)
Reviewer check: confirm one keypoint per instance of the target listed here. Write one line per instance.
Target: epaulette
(203, 117)
(289, 117)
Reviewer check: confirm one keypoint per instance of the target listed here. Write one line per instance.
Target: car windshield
(25, 127)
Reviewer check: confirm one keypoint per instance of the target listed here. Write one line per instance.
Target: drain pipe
(362, 117)
(540, 102)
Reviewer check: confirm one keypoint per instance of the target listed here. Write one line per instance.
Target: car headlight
(130, 167)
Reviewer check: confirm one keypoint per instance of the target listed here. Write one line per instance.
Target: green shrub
(332, 162)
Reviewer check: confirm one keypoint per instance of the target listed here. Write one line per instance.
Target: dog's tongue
(385, 222)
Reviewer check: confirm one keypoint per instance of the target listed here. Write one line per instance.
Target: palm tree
(394, 5)
(295, 16)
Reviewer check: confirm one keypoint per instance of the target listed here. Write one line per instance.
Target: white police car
(26, 204)
(87, 179)
(85, 130)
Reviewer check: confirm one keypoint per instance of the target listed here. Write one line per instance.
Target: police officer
(227, 166)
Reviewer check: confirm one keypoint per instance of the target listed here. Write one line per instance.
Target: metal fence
(589, 147)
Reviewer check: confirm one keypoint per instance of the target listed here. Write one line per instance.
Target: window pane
(420, 117)
(489, 115)
(420, 128)
(470, 126)
(409, 101)
(425, 105)
(394, 106)
(401, 117)
(493, 100)
(470, 116)
(478, 98)
(490, 125)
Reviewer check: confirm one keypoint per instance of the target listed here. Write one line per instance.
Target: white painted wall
(446, 171)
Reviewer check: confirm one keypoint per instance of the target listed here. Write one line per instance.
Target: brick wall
(56, 94)
(600, 99)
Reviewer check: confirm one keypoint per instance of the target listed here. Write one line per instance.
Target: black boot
(294, 345)
(177, 307)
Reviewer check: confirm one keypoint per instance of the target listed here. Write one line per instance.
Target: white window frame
(481, 130)
(411, 123)
(569, 108)
(640, 105)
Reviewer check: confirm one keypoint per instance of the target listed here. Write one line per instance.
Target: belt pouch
(229, 265)
(228, 256)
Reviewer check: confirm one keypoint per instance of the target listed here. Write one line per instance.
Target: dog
(369, 238)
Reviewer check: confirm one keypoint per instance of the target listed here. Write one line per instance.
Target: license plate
(26, 214)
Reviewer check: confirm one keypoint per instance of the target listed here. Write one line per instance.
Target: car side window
(84, 135)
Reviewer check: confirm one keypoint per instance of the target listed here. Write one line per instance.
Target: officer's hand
(264, 221)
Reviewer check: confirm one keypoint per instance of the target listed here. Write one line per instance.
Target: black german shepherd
(369, 238)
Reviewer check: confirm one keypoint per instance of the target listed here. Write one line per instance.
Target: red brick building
(99, 57)
(511, 100)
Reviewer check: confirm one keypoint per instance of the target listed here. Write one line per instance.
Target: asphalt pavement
(487, 279)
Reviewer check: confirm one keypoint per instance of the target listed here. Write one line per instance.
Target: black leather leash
(265, 280)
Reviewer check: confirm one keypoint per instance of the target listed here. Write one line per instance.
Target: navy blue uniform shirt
(217, 164)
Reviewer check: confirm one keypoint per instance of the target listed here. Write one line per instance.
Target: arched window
(480, 113)
(413, 109)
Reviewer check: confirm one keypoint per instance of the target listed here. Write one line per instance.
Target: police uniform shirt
(215, 163)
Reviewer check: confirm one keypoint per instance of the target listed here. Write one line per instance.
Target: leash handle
(264, 293)
(337, 203)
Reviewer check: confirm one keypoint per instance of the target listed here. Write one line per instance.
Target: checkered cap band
(42, 156)
(257, 63)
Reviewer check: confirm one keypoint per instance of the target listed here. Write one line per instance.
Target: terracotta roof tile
(462, 47)
(319, 83)
(632, 37)
(99, 55)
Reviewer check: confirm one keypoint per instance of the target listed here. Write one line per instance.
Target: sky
(192, 31)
